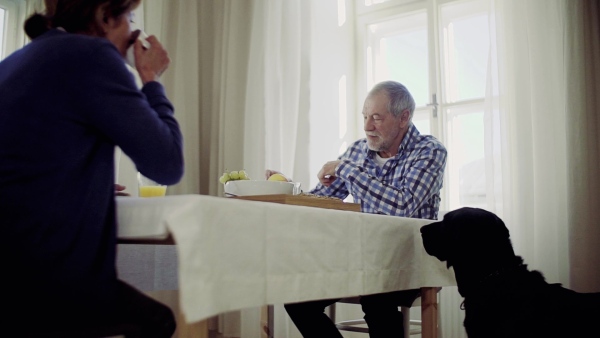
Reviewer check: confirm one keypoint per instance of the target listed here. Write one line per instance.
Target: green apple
(278, 177)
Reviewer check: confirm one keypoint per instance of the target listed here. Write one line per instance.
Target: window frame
(14, 35)
(368, 15)
(439, 105)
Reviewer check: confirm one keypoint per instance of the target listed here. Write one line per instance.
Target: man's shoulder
(430, 142)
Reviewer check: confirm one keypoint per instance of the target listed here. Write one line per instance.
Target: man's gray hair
(400, 97)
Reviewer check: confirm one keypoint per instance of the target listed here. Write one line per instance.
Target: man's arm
(336, 189)
(328, 184)
(403, 196)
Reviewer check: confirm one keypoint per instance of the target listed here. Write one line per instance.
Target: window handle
(433, 104)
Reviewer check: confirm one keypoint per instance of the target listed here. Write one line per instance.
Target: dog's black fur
(502, 297)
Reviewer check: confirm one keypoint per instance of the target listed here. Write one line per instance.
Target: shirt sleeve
(404, 195)
(141, 123)
(336, 189)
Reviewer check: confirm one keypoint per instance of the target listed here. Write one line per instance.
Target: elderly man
(393, 171)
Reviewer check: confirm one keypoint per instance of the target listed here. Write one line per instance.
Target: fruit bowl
(251, 188)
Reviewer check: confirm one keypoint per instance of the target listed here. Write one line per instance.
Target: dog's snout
(433, 240)
(425, 228)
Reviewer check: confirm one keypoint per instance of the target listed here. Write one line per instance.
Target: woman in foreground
(66, 100)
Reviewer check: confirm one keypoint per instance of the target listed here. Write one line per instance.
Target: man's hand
(327, 174)
(270, 172)
(119, 190)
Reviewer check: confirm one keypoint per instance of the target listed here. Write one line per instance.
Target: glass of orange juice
(149, 188)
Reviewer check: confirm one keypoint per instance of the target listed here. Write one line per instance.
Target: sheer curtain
(208, 42)
(239, 81)
(276, 110)
(550, 128)
(277, 92)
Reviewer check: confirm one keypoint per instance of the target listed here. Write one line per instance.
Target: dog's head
(471, 240)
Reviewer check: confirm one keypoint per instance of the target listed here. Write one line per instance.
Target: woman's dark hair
(76, 16)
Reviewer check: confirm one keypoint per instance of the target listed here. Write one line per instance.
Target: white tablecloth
(236, 254)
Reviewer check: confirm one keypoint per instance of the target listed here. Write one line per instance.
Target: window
(439, 49)
(3, 15)
(12, 14)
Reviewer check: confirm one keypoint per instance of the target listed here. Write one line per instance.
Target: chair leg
(406, 319)
(331, 312)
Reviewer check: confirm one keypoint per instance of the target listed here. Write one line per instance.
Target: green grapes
(224, 178)
(233, 176)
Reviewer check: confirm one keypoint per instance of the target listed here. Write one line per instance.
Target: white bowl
(250, 187)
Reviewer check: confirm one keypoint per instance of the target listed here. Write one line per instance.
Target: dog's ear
(478, 230)
(469, 222)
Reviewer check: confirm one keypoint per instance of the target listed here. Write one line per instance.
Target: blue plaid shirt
(408, 185)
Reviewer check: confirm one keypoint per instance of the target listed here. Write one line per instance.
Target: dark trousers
(381, 314)
(134, 315)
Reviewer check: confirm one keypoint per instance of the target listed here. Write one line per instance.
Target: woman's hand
(119, 190)
(151, 62)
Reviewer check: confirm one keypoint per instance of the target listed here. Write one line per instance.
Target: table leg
(429, 313)
(266, 321)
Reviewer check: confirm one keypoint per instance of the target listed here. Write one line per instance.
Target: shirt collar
(409, 138)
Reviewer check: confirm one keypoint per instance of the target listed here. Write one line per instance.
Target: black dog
(502, 297)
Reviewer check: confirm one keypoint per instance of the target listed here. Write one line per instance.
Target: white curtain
(239, 79)
(276, 109)
(277, 92)
(532, 100)
(547, 54)
(208, 43)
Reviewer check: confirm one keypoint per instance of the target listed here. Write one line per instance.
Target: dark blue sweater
(66, 100)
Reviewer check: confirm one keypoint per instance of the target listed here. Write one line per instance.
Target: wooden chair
(411, 327)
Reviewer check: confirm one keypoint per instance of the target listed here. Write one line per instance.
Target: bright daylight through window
(2, 38)
(12, 17)
(446, 66)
